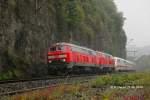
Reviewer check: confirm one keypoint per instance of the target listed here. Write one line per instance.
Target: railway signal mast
(131, 48)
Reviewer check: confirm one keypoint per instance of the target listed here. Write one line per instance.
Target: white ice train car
(123, 65)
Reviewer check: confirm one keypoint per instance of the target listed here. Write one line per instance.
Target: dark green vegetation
(28, 27)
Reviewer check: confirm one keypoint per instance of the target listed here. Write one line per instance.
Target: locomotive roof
(63, 43)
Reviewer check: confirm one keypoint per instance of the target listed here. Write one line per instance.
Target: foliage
(123, 80)
(17, 63)
(92, 23)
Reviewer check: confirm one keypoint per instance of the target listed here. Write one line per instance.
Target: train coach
(123, 65)
(68, 58)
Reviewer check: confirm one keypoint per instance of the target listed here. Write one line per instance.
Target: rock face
(28, 27)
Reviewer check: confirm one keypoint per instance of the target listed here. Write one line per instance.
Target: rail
(11, 87)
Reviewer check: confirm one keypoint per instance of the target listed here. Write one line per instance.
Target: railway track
(12, 87)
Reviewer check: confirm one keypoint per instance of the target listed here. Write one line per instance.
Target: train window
(94, 53)
(125, 62)
(108, 56)
(82, 50)
(59, 47)
(56, 48)
(89, 52)
(53, 49)
(86, 51)
(74, 49)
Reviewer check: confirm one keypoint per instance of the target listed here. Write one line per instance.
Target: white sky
(137, 23)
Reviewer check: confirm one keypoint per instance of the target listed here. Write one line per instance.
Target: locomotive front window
(57, 48)
(53, 49)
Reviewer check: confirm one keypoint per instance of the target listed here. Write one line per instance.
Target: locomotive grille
(57, 56)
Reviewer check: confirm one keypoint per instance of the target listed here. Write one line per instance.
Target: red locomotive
(66, 57)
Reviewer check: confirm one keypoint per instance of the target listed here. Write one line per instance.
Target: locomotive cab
(57, 53)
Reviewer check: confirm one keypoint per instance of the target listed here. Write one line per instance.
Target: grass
(51, 93)
(122, 79)
(94, 90)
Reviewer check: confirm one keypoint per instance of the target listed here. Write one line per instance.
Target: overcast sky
(137, 23)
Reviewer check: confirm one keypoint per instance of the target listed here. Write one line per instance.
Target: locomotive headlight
(63, 60)
(49, 61)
